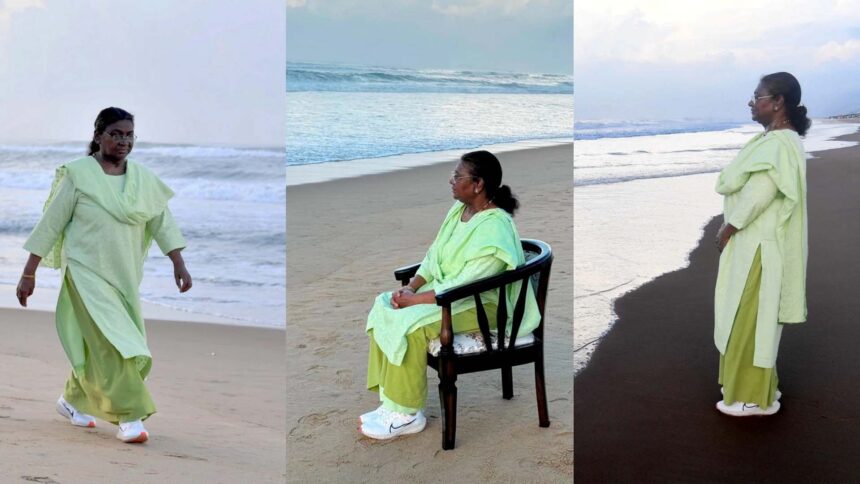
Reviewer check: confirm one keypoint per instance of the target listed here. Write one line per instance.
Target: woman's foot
(373, 415)
(132, 432)
(393, 424)
(741, 409)
(80, 419)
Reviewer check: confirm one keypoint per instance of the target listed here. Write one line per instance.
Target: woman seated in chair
(477, 239)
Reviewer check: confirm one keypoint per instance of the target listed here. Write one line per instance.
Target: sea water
(355, 120)
(643, 193)
(229, 204)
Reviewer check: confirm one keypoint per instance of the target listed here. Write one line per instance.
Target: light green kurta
(487, 233)
(765, 198)
(100, 235)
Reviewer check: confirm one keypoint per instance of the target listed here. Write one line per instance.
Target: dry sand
(344, 239)
(219, 391)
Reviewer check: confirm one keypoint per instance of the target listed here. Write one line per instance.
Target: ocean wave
(207, 189)
(314, 77)
(597, 129)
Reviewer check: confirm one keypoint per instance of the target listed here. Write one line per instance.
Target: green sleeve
(424, 269)
(478, 268)
(165, 232)
(758, 192)
(57, 215)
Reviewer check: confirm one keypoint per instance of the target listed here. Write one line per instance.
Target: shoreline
(298, 175)
(696, 189)
(345, 237)
(45, 300)
(661, 351)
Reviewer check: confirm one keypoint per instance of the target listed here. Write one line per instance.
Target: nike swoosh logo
(749, 406)
(68, 409)
(392, 428)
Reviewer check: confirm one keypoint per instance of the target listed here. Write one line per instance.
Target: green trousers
(741, 380)
(404, 386)
(110, 387)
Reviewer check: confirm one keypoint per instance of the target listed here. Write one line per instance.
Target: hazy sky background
(192, 71)
(674, 59)
(506, 35)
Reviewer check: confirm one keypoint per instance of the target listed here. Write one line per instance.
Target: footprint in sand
(344, 378)
(308, 425)
(43, 479)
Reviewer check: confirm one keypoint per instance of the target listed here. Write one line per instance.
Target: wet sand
(645, 403)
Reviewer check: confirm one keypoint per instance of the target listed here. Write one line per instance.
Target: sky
(192, 71)
(533, 36)
(672, 59)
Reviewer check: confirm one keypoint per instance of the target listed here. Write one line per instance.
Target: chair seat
(472, 342)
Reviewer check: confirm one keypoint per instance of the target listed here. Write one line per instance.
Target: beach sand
(344, 240)
(645, 403)
(219, 391)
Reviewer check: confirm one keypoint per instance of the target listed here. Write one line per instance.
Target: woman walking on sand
(100, 218)
(761, 283)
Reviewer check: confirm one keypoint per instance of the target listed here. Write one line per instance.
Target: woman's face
(462, 183)
(117, 140)
(761, 105)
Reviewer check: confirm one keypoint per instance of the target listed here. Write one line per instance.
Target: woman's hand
(723, 235)
(400, 297)
(404, 299)
(27, 283)
(26, 286)
(182, 278)
(398, 294)
(180, 273)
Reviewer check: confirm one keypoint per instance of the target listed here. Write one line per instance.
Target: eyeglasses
(456, 176)
(119, 137)
(754, 99)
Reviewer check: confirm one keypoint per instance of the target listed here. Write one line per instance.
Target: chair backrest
(538, 255)
(536, 270)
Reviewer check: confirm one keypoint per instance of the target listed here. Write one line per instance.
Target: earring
(775, 108)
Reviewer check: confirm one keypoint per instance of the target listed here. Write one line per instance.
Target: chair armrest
(404, 274)
(452, 294)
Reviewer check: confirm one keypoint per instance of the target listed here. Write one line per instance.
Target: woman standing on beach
(761, 283)
(98, 223)
(477, 239)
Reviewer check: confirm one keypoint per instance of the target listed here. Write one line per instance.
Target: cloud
(296, 3)
(838, 51)
(9, 7)
(471, 7)
(674, 32)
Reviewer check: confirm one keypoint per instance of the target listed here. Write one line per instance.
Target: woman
(477, 239)
(761, 283)
(99, 221)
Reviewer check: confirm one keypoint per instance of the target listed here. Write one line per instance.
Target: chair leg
(540, 390)
(507, 383)
(448, 404)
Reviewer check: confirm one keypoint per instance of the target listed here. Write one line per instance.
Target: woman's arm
(756, 195)
(180, 273)
(475, 269)
(28, 279)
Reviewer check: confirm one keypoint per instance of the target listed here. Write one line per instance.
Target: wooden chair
(496, 354)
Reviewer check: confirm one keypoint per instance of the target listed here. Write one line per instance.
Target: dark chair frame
(448, 364)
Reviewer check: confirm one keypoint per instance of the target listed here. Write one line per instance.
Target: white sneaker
(374, 415)
(776, 395)
(741, 409)
(80, 419)
(393, 424)
(132, 432)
